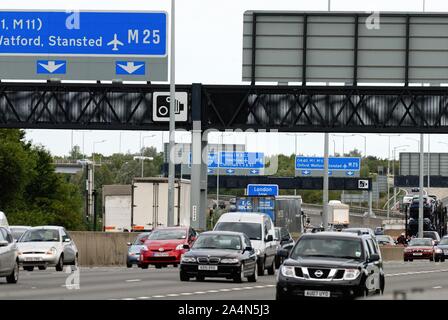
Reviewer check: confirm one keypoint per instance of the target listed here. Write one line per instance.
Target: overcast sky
(209, 50)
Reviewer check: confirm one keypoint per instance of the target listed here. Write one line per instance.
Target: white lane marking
(415, 272)
(202, 292)
(437, 287)
(134, 280)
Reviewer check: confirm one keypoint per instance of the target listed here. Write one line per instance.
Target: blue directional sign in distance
(51, 66)
(317, 163)
(262, 190)
(130, 67)
(139, 34)
(242, 160)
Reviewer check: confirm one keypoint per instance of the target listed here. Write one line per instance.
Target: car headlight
(438, 250)
(230, 261)
(288, 271)
(52, 251)
(188, 259)
(180, 247)
(351, 274)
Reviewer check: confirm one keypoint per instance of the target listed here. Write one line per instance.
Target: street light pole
(393, 171)
(92, 189)
(172, 125)
(420, 204)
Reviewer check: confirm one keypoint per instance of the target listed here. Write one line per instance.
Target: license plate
(33, 259)
(315, 293)
(418, 254)
(161, 254)
(208, 268)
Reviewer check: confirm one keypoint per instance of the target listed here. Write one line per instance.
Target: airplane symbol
(115, 42)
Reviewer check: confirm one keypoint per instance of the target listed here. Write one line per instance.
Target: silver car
(46, 246)
(9, 264)
(17, 231)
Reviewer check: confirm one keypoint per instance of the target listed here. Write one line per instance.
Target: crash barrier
(392, 253)
(102, 248)
(110, 249)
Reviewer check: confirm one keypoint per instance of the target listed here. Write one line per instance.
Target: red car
(421, 248)
(165, 246)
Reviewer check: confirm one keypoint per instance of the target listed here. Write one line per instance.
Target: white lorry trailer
(117, 201)
(338, 214)
(150, 203)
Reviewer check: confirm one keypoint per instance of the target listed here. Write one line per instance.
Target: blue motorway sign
(139, 34)
(242, 160)
(306, 164)
(262, 190)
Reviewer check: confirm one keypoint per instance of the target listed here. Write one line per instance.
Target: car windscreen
(168, 234)
(381, 238)
(420, 242)
(431, 235)
(213, 241)
(17, 232)
(444, 241)
(141, 238)
(40, 235)
(328, 247)
(252, 230)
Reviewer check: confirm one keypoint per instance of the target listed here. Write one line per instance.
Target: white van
(3, 220)
(260, 230)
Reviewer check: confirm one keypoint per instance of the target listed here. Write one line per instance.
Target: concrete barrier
(102, 248)
(392, 253)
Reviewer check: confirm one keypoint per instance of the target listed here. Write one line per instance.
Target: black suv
(331, 265)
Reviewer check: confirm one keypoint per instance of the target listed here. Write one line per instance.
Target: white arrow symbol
(51, 66)
(130, 67)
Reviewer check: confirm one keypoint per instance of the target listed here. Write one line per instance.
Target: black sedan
(220, 254)
(443, 248)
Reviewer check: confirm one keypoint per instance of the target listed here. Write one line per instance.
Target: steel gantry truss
(281, 108)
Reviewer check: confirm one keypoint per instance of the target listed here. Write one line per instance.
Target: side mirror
(67, 240)
(248, 249)
(186, 247)
(129, 244)
(436, 242)
(374, 257)
(283, 253)
(3, 243)
(269, 238)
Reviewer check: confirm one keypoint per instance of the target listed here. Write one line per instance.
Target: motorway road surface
(137, 284)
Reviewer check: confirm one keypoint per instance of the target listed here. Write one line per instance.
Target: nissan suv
(331, 265)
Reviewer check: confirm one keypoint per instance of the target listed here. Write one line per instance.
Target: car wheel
(411, 260)
(254, 276)
(431, 259)
(277, 262)
(60, 265)
(442, 259)
(42, 267)
(128, 264)
(184, 276)
(144, 266)
(240, 276)
(175, 265)
(261, 267)
(28, 268)
(436, 259)
(75, 262)
(271, 269)
(14, 276)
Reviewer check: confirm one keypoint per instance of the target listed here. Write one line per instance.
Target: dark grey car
(9, 264)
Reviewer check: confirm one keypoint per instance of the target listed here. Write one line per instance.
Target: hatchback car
(133, 256)
(9, 262)
(434, 235)
(220, 254)
(47, 246)
(165, 246)
(385, 240)
(422, 248)
(331, 265)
